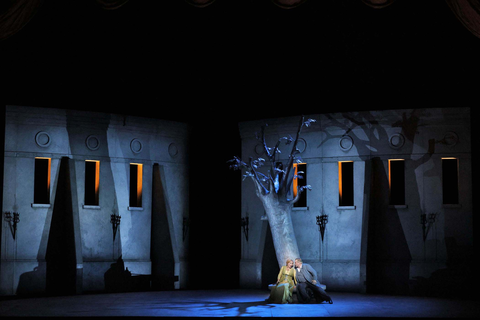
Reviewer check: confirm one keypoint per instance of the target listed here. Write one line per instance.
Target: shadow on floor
(221, 307)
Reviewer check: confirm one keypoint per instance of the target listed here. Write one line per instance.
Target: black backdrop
(236, 60)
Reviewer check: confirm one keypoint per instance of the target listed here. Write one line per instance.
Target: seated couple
(303, 277)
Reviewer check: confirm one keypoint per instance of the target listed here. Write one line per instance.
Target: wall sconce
(244, 223)
(115, 220)
(427, 223)
(322, 223)
(186, 223)
(15, 219)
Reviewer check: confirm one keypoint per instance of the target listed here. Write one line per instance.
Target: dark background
(232, 61)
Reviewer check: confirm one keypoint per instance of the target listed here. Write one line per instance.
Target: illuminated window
(396, 181)
(345, 183)
(136, 175)
(92, 179)
(298, 183)
(41, 192)
(450, 180)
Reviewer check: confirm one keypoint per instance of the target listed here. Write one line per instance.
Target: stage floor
(231, 303)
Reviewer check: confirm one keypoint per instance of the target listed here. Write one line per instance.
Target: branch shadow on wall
(388, 253)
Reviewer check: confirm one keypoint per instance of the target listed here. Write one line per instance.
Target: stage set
(166, 158)
(99, 203)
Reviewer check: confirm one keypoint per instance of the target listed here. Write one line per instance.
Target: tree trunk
(274, 194)
(280, 220)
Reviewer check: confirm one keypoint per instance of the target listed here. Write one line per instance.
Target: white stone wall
(340, 259)
(115, 141)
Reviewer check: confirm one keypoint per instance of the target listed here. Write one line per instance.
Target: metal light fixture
(115, 220)
(15, 219)
(244, 224)
(427, 222)
(322, 221)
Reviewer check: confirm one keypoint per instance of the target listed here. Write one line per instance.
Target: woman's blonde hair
(288, 260)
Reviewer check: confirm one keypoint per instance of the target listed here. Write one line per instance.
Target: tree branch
(259, 187)
(278, 177)
(271, 156)
(265, 143)
(292, 156)
(265, 190)
(290, 181)
(299, 192)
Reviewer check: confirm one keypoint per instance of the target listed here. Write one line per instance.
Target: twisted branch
(278, 180)
(291, 157)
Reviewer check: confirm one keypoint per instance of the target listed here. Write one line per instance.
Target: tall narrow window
(396, 181)
(301, 170)
(92, 179)
(41, 192)
(450, 180)
(345, 183)
(136, 175)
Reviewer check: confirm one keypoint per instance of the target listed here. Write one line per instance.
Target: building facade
(395, 185)
(91, 200)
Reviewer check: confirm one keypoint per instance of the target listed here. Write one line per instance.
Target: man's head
(298, 263)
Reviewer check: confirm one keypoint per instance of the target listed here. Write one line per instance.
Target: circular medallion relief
(172, 150)
(92, 142)
(259, 150)
(396, 141)
(301, 145)
(42, 139)
(136, 146)
(345, 143)
(450, 138)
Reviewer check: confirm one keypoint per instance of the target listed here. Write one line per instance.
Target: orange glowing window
(345, 183)
(396, 181)
(301, 170)
(136, 176)
(92, 182)
(41, 192)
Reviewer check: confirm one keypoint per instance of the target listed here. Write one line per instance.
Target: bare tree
(273, 189)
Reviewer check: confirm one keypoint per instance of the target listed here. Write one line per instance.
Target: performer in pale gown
(286, 281)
